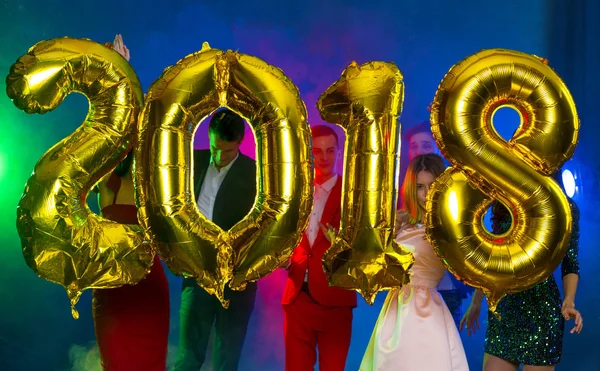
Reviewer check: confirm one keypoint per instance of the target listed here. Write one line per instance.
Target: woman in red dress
(131, 321)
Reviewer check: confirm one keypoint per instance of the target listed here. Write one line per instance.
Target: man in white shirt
(316, 315)
(225, 189)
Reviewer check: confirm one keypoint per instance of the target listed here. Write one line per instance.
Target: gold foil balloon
(62, 240)
(485, 168)
(176, 103)
(366, 101)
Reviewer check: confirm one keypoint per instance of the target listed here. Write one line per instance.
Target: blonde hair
(430, 163)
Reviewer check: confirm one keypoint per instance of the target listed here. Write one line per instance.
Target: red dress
(132, 321)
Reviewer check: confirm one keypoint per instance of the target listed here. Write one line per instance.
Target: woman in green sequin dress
(533, 321)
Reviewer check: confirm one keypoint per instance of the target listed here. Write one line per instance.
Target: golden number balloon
(62, 240)
(189, 243)
(366, 102)
(485, 168)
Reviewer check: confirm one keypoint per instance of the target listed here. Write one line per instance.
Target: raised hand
(120, 47)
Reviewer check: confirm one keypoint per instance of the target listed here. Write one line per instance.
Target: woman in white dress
(415, 330)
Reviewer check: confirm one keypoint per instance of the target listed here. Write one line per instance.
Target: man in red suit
(317, 315)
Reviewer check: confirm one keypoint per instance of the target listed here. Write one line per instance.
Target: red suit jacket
(304, 256)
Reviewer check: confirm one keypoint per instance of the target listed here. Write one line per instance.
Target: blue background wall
(312, 41)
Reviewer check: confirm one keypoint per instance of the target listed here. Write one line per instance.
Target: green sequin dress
(532, 326)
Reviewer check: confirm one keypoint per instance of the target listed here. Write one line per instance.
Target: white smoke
(87, 358)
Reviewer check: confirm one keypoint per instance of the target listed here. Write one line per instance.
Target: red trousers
(308, 326)
(132, 323)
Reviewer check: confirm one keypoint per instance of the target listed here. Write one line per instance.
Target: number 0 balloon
(189, 243)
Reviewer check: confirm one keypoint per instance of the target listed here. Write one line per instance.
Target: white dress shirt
(210, 187)
(320, 197)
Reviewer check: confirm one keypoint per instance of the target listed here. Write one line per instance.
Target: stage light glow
(569, 182)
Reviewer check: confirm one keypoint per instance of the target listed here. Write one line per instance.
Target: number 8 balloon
(485, 168)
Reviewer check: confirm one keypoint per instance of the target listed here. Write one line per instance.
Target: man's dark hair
(324, 131)
(227, 125)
